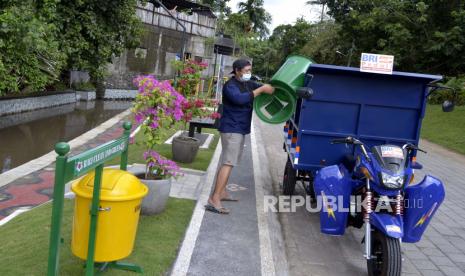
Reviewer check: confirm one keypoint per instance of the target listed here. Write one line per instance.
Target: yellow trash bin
(120, 201)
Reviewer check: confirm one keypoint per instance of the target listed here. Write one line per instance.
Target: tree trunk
(99, 84)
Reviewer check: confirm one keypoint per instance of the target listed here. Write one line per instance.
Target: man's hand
(266, 88)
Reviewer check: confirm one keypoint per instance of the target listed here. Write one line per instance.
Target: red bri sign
(373, 63)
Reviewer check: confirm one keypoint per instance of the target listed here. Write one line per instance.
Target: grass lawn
(25, 241)
(446, 129)
(201, 162)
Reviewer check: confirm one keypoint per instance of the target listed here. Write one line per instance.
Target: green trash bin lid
(280, 106)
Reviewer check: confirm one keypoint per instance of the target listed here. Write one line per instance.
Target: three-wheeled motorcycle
(352, 142)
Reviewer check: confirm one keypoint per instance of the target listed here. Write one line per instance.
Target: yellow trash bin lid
(116, 185)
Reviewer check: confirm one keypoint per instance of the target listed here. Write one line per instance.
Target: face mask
(246, 77)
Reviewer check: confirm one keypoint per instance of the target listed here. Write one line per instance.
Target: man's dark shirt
(237, 106)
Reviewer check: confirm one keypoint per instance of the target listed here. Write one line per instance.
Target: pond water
(26, 136)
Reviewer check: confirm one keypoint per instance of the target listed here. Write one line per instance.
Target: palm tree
(318, 2)
(257, 15)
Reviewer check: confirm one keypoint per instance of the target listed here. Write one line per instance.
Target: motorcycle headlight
(392, 182)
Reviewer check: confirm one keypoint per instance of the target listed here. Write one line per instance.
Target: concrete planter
(185, 149)
(159, 191)
(85, 95)
(155, 201)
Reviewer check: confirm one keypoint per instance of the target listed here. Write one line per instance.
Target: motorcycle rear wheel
(386, 256)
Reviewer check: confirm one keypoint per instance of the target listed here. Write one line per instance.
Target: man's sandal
(213, 209)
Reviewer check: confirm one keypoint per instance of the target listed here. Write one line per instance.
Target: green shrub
(458, 83)
(29, 52)
(83, 86)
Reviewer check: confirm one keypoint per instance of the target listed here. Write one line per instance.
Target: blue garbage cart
(374, 108)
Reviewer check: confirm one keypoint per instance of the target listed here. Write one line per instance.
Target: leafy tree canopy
(424, 36)
(40, 39)
(257, 15)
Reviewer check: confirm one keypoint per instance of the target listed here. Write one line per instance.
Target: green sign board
(88, 160)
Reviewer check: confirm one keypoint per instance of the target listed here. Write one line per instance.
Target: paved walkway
(246, 242)
(441, 251)
(221, 245)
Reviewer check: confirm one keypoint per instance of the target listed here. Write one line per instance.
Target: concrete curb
(270, 187)
(182, 262)
(47, 159)
(266, 253)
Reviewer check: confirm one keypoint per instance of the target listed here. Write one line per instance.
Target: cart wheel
(289, 179)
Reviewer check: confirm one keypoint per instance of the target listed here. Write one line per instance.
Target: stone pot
(159, 191)
(185, 148)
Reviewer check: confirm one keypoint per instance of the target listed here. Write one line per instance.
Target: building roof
(185, 6)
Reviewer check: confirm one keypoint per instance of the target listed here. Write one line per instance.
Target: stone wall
(120, 94)
(24, 117)
(11, 106)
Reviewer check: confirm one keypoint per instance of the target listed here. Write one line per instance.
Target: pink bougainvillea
(157, 107)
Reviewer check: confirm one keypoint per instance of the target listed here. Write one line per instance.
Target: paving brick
(424, 243)
(441, 261)
(457, 257)
(460, 230)
(440, 240)
(448, 248)
(431, 232)
(461, 265)
(449, 222)
(424, 264)
(432, 252)
(458, 242)
(443, 229)
(430, 272)
(452, 271)
(410, 247)
(413, 256)
(408, 267)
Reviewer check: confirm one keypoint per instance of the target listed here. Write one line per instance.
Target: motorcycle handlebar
(410, 146)
(351, 141)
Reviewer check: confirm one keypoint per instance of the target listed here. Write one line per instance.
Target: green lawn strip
(201, 161)
(204, 156)
(25, 241)
(446, 129)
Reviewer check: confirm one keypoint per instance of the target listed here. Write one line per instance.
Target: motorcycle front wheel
(386, 255)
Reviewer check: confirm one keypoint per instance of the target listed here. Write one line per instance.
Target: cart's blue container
(375, 108)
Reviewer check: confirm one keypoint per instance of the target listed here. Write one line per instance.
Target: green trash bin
(280, 106)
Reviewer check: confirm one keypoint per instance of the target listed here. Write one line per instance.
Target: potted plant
(185, 148)
(157, 176)
(157, 107)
